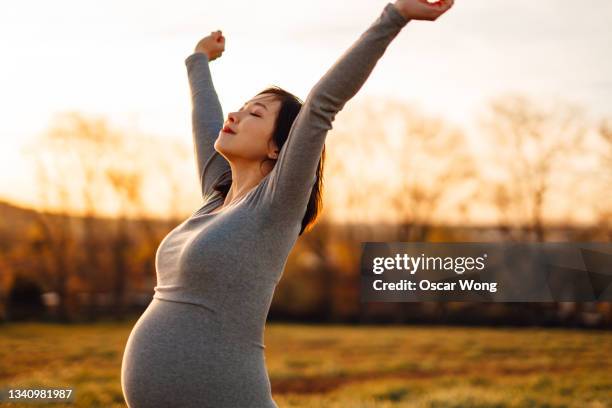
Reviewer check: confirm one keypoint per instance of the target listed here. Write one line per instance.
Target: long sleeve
(294, 174)
(207, 121)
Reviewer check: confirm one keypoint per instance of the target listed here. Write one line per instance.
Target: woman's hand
(212, 45)
(422, 9)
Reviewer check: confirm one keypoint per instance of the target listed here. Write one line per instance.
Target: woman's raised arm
(207, 114)
(294, 174)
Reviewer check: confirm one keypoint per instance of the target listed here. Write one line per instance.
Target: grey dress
(200, 342)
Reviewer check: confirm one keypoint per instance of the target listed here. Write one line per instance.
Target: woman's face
(253, 125)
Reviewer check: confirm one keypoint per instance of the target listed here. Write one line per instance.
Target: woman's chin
(223, 145)
(222, 140)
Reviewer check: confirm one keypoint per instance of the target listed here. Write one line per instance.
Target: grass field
(345, 366)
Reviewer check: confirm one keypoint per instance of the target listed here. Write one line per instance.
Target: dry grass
(344, 366)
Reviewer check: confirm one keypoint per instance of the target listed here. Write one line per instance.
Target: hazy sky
(125, 59)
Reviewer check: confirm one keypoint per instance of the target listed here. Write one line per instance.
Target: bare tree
(389, 159)
(86, 146)
(127, 184)
(533, 147)
(397, 162)
(85, 170)
(55, 240)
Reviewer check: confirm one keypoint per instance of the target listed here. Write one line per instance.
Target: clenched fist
(422, 9)
(212, 45)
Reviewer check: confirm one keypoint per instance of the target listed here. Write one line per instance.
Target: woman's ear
(272, 150)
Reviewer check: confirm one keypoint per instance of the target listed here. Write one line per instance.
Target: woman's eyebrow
(256, 103)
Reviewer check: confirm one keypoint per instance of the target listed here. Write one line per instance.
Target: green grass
(344, 366)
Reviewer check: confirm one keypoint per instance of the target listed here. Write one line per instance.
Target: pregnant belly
(177, 355)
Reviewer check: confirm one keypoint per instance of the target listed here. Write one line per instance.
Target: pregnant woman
(200, 342)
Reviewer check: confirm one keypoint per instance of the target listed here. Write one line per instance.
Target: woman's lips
(228, 130)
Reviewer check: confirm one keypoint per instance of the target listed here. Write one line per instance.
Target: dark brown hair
(290, 107)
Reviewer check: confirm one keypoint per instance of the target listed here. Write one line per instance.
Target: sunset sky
(125, 60)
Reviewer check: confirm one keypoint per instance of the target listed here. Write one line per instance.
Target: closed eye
(239, 110)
